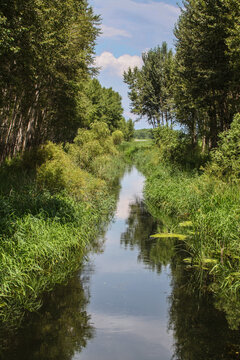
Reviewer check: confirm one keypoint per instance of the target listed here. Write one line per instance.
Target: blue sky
(130, 27)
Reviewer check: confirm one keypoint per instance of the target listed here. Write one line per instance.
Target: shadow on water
(140, 225)
(200, 331)
(57, 331)
(64, 327)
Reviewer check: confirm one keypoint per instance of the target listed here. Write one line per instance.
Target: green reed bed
(41, 247)
(54, 202)
(212, 208)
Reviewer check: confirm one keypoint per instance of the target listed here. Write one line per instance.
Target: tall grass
(42, 242)
(213, 208)
(51, 210)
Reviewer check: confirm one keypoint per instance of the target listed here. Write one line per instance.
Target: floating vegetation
(169, 235)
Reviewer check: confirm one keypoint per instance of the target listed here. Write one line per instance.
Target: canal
(133, 299)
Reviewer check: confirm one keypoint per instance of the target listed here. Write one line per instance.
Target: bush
(176, 148)
(226, 158)
(172, 144)
(117, 137)
(60, 173)
(48, 218)
(90, 144)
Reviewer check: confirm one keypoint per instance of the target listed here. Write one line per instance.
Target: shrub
(100, 129)
(60, 173)
(226, 158)
(90, 144)
(117, 137)
(173, 144)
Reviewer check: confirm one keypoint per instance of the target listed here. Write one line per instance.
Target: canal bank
(133, 299)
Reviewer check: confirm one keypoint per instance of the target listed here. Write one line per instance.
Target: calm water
(133, 300)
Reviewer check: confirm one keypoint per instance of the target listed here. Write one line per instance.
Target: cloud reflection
(132, 184)
(147, 328)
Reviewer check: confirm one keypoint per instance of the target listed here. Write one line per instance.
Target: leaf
(235, 274)
(188, 260)
(186, 224)
(209, 261)
(169, 235)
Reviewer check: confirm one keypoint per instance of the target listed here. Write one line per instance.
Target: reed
(49, 220)
(212, 206)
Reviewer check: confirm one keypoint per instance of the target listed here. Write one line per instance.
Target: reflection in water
(57, 331)
(140, 225)
(115, 308)
(200, 331)
(128, 307)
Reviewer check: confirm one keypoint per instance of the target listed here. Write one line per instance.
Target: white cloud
(154, 19)
(108, 32)
(107, 61)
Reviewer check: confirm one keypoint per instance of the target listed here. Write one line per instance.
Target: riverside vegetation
(204, 203)
(193, 174)
(49, 219)
(59, 127)
(59, 132)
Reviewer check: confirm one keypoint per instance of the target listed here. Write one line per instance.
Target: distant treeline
(46, 70)
(143, 134)
(196, 86)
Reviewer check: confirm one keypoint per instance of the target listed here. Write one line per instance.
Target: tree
(206, 92)
(105, 105)
(151, 87)
(46, 52)
(129, 130)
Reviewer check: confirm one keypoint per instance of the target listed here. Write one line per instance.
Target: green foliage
(90, 144)
(60, 173)
(117, 137)
(106, 105)
(129, 133)
(46, 55)
(225, 160)
(211, 207)
(143, 134)
(173, 144)
(176, 147)
(100, 130)
(48, 220)
(151, 87)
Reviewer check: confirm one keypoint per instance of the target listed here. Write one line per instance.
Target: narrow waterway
(132, 300)
(129, 302)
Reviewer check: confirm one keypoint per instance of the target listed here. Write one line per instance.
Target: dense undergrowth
(205, 205)
(53, 203)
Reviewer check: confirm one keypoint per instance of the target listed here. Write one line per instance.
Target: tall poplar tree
(205, 95)
(46, 51)
(150, 88)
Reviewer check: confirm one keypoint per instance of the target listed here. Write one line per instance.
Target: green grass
(42, 243)
(213, 208)
(46, 233)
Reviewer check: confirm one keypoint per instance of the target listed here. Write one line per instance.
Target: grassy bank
(53, 202)
(206, 209)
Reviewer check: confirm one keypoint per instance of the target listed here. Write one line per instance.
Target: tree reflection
(61, 328)
(140, 225)
(200, 331)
